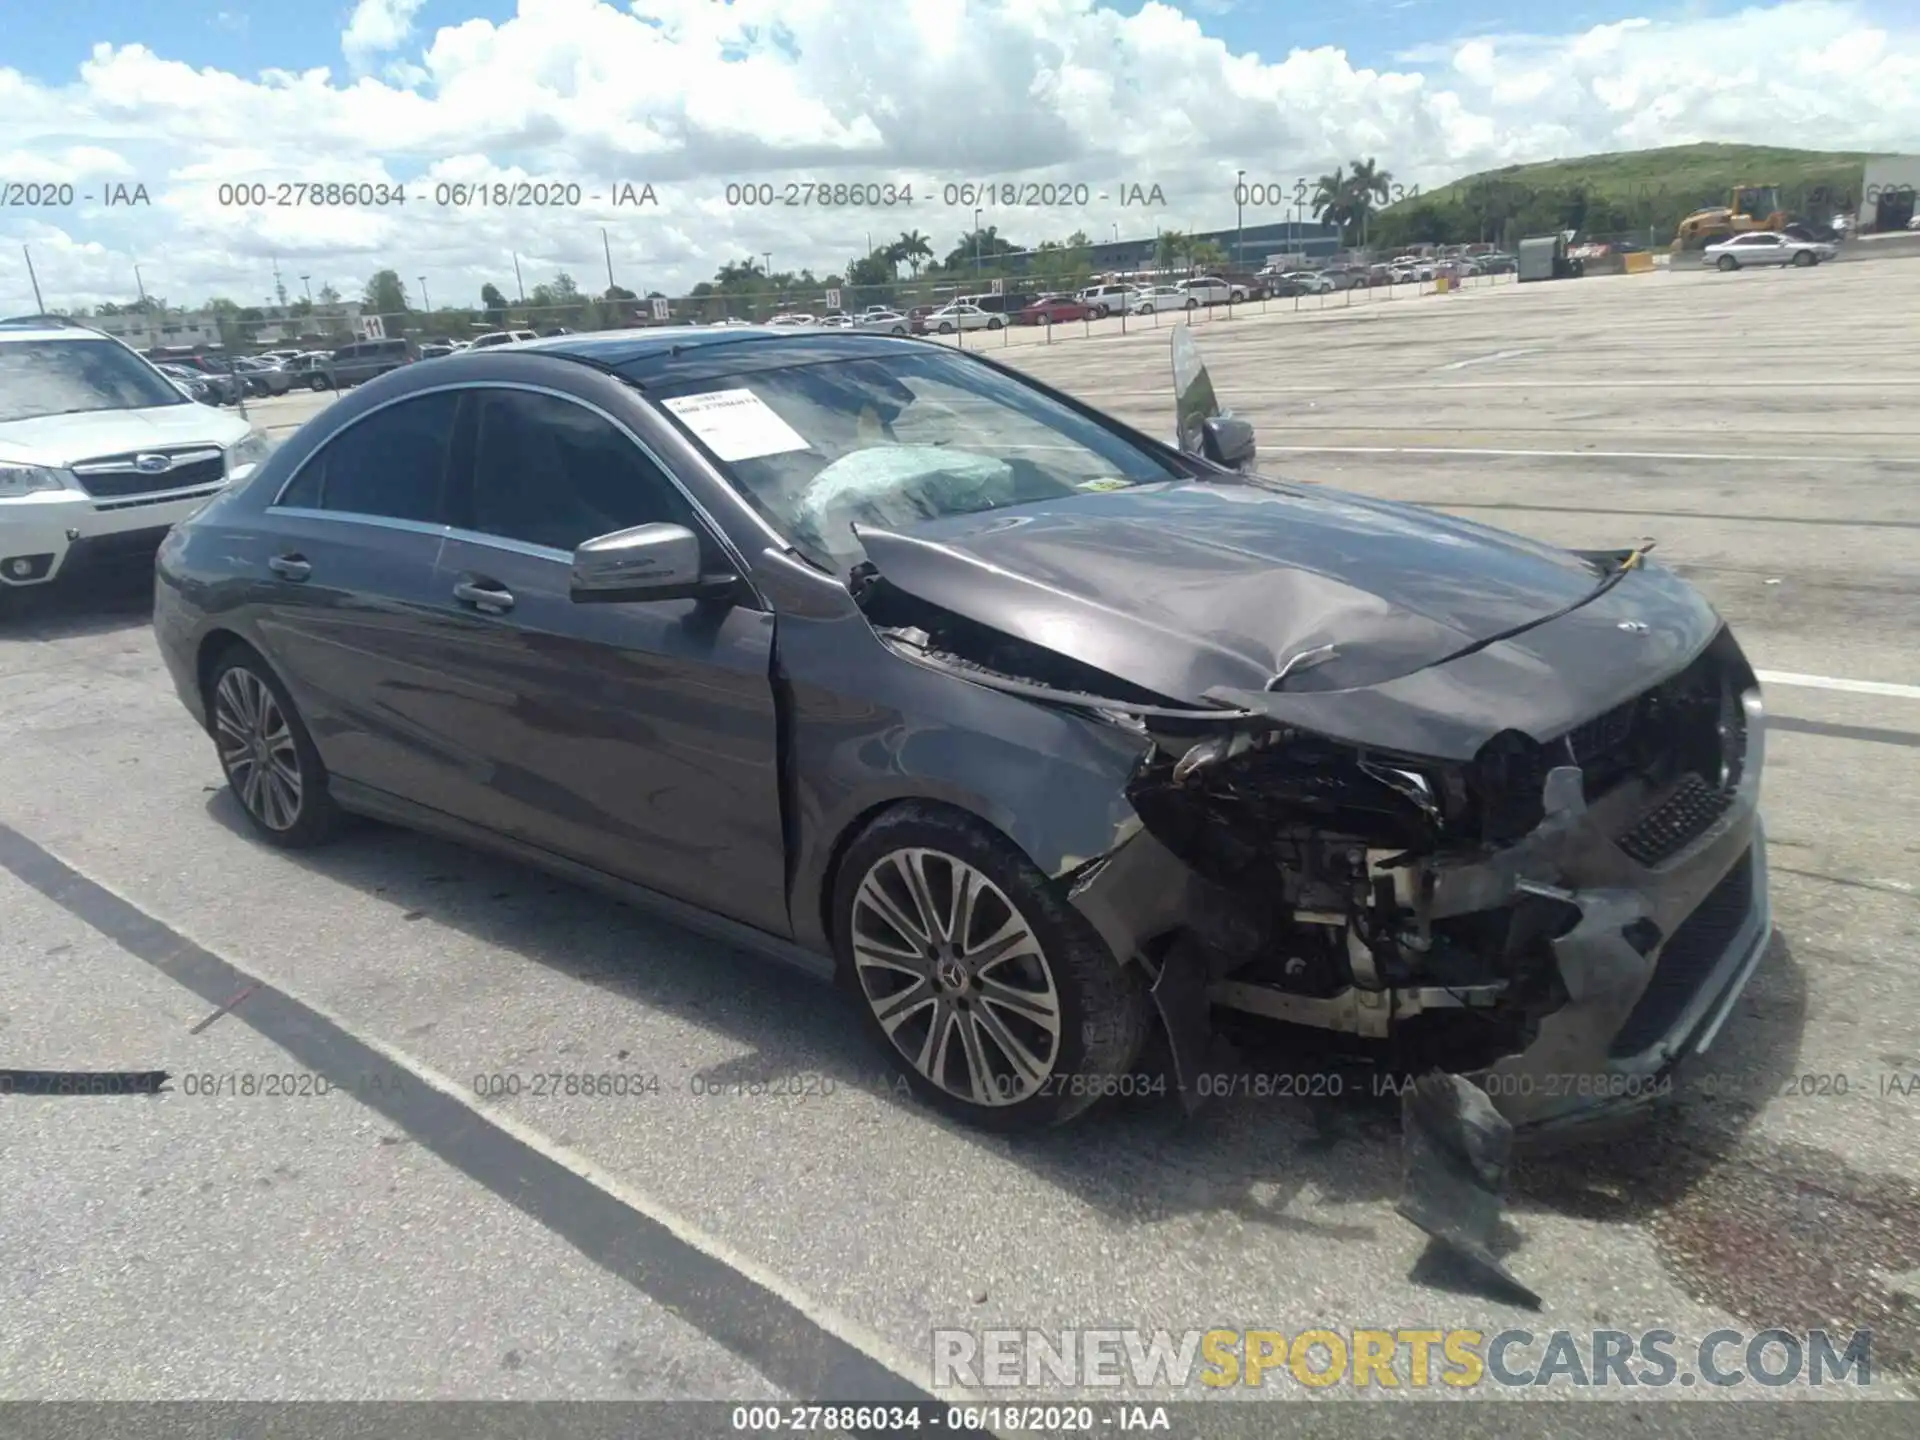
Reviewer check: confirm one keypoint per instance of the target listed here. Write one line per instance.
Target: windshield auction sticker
(736, 424)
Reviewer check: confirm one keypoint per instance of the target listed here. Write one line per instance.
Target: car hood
(57, 440)
(1189, 587)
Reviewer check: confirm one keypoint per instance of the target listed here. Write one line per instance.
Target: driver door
(636, 737)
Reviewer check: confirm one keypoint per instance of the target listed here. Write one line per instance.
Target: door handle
(290, 567)
(484, 595)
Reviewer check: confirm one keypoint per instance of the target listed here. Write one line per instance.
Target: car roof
(672, 353)
(36, 329)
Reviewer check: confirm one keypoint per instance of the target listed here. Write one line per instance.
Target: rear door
(640, 737)
(345, 563)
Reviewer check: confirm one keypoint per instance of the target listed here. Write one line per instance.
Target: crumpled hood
(1190, 586)
(57, 440)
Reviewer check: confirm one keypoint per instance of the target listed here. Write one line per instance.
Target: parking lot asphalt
(769, 1211)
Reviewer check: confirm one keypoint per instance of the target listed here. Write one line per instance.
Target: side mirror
(648, 562)
(1228, 440)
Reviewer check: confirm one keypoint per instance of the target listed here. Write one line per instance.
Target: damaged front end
(1559, 920)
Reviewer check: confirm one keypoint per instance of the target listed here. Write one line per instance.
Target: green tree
(385, 294)
(495, 304)
(1332, 200)
(1367, 183)
(912, 250)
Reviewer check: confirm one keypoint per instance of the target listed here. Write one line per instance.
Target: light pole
(425, 304)
(146, 311)
(1239, 216)
(976, 245)
(307, 281)
(39, 305)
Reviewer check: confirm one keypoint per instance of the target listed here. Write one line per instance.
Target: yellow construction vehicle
(1749, 207)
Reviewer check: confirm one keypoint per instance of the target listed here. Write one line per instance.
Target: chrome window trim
(714, 530)
(354, 517)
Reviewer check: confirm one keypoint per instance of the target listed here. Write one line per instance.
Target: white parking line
(1773, 458)
(1489, 359)
(1829, 682)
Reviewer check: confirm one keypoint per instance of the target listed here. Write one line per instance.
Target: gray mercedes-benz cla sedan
(1037, 732)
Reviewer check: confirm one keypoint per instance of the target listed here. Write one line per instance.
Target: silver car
(1765, 247)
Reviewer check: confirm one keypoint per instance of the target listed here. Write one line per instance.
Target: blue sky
(191, 95)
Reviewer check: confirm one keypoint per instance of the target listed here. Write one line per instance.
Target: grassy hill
(1627, 192)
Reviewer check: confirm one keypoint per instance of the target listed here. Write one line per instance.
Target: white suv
(100, 453)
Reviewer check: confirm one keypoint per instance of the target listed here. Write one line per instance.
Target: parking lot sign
(372, 327)
(833, 299)
(660, 310)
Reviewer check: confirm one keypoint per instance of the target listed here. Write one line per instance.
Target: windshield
(70, 377)
(894, 442)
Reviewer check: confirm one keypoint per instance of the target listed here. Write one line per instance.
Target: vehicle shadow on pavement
(66, 611)
(1261, 1154)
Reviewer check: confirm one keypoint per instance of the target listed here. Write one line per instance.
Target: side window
(392, 464)
(550, 472)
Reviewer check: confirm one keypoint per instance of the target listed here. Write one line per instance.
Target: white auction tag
(736, 424)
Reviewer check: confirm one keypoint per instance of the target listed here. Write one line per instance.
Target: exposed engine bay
(1346, 888)
(1557, 918)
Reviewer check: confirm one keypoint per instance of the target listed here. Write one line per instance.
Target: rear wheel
(1727, 262)
(1804, 258)
(995, 323)
(318, 382)
(990, 994)
(268, 756)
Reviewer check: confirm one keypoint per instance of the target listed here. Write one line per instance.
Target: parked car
(435, 350)
(261, 377)
(1073, 763)
(1109, 299)
(211, 386)
(881, 322)
(1212, 290)
(959, 316)
(100, 453)
(364, 359)
(314, 370)
(500, 337)
(1161, 299)
(191, 383)
(1056, 310)
(1766, 247)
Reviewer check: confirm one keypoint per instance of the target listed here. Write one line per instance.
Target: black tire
(1103, 1009)
(946, 327)
(1804, 258)
(996, 323)
(1192, 303)
(315, 818)
(318, 382)
(1727, 263)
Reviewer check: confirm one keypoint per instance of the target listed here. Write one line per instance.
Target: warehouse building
(1887, 193)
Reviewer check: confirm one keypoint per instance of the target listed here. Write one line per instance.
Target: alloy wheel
(956, 977)
(257, 749)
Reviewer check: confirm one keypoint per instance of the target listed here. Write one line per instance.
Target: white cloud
(690, 95)
(376, 27)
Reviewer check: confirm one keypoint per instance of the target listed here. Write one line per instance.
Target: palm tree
(1333, 200)
(1368, 182)
(1169, 248)
(912, 249)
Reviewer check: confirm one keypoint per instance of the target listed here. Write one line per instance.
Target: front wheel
(946, 327)
(318, 382)
(268, 756)
(1727, 262)
(995, 324)
(990, 994)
